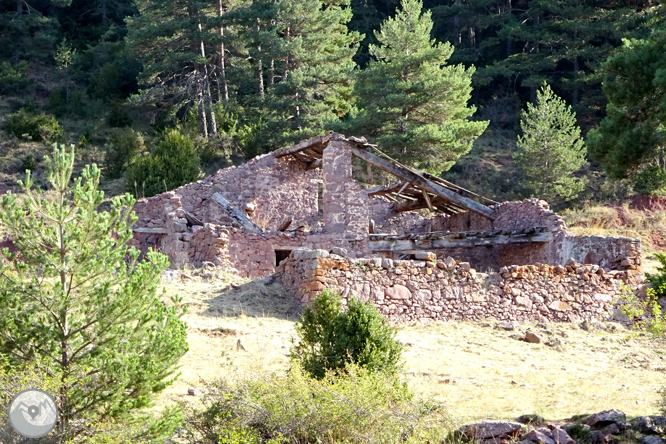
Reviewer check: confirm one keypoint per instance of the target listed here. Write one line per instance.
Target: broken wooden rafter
(241, 218)
(310, 143)
(150, 230)
(427, 200)
(192, 219)
(408, 175)
(402, 189)
(432, 241)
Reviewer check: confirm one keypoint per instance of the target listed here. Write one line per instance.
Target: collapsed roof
(415, 190)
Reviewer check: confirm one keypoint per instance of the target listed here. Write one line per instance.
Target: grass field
(476, 370)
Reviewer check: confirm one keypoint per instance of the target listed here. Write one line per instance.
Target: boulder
(653, 440)
(425, 256)
(490, 429)
(650, 425)
(538, 437)
(508, 326)
(560, 436)
(339, 251)
(532, 338)
(398, 292)
(607, 417)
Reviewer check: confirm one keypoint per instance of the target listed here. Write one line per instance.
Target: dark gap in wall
(281, 255)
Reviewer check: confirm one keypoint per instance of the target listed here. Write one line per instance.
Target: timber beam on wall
(241, 218)
(418, 180)
(433, 241)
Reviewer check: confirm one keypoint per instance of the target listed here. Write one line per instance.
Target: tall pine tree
(631, 140)
(412, 103)
(550, 149)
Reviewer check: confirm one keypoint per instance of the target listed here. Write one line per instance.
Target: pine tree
(412, 103)
(303, 63)
(550, 149)
(171, 39)
(75, 299)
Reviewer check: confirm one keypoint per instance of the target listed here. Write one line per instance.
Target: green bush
(173, 162)
(13, 78)
(123, 145)
(651, 180)
(27, 125)
(658, 280)
(330, 338)
(118, 117)
(359, 406)
(645, 313)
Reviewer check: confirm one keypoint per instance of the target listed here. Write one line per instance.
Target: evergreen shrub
(331, 339)
(28, 125)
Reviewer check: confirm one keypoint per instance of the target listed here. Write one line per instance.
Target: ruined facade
(253, 215)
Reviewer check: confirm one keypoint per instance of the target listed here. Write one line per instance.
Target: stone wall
(441, 290)
(266, 188)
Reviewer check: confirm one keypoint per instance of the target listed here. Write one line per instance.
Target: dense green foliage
(78, 303)
(173, 162)
(330, 338)
(358, 407)
(408, 76)
(27, 125)
(124, 145)
(412, 103)
(550, 149)
(631, 140)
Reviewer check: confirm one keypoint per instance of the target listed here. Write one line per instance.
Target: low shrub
(330, 338)
(27, 125)
(173, 162)
(13, 78)
(358, 406)
(122, 146)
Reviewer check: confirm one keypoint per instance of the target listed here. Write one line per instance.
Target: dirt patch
(647, 203)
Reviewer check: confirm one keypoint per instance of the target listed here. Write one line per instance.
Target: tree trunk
(203, 124)
(221, 60)
(208, 101)
(271, 73)
(456, 26)
(19, 7)
(260, 69)
(574, 99)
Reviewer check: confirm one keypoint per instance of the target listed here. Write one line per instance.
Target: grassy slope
(478, 371)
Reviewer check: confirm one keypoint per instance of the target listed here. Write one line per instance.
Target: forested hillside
(159, 92)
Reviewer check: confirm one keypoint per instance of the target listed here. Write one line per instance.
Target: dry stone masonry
(304, 197)
(427, 290)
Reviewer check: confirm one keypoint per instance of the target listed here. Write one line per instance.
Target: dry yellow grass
(478, 371)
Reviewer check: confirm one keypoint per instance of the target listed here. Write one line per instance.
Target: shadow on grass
(262, 298)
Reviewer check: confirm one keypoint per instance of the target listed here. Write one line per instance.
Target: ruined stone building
(253, 215)
(413, 248)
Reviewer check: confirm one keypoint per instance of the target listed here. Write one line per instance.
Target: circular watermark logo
(33, 413)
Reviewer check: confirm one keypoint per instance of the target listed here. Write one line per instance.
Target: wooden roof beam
(418, 180)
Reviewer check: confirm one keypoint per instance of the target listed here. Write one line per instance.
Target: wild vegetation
(438, 84)
(157, 93)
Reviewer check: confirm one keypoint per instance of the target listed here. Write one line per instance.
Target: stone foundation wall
(441, 290)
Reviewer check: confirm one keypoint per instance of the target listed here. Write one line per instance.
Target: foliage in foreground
(358, 406)
(76, 299)
(330, 338)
